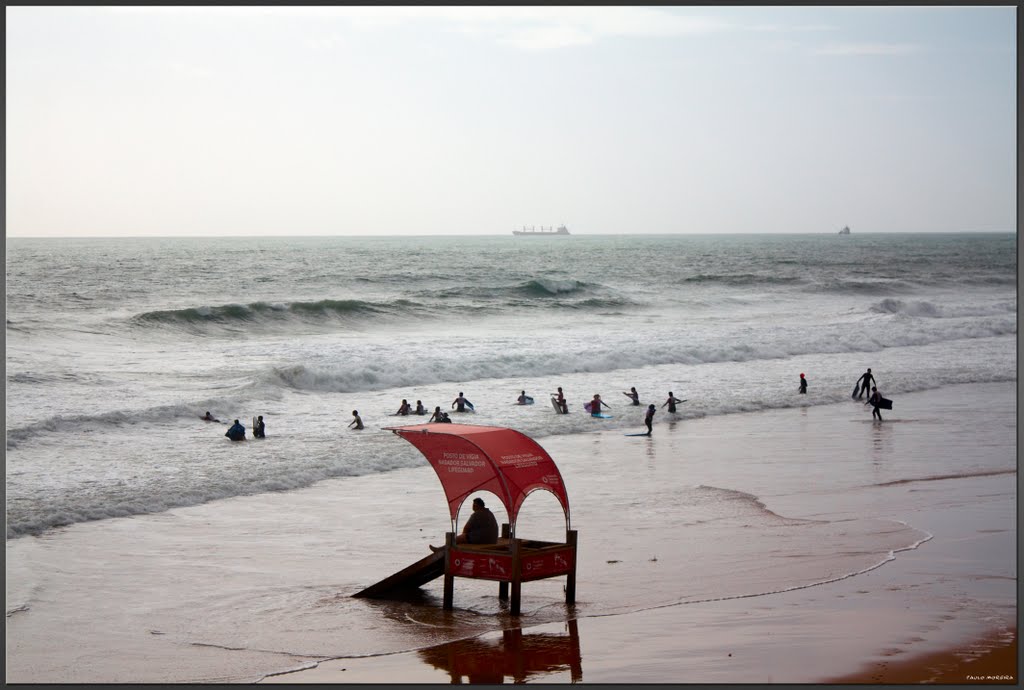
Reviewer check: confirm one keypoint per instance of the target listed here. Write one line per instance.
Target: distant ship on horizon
(562, 230)
(845, 230)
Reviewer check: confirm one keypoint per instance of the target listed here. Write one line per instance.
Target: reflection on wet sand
(516, 655)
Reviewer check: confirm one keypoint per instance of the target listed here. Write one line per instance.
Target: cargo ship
(562, 230)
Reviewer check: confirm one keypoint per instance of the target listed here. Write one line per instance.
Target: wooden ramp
(419, 573)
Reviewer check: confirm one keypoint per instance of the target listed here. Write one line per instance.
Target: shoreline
(938, 610)
(725, 549)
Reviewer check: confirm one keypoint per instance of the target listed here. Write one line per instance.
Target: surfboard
(856, 389)
(554, 404)
(602, 415)
(643, 434)
(253, 428)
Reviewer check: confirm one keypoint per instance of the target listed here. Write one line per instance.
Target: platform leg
(503, 586)
(516, 578)
(570, 579)
(449, 579)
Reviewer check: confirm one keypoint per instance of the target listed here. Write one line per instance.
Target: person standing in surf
(419, 407)
(523, 398)
(864, 382)
(671, 402)
(595, 405)
(632, 395)
(560, 399)
(259, 430)
(438, 414)
(356, 421)
(460, 403)
(649, 418)
(876, 400)
(803, 385)
(404, 408)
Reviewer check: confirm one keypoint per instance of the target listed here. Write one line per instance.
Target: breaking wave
(929, 310)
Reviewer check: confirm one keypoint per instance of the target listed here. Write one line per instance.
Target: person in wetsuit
(864, 382)
(875, 400)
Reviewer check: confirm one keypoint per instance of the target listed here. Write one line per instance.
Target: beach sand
(942, 612)
(799, 545)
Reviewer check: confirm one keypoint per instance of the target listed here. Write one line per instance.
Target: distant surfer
(259, 429)
(523, 399)
(803, 385)
(559, 398)
(356, 421)
(209, 417)
(236, 432)
(632, 395)
(863, 382)
(649, 418)
(595, 405)
(419, 407)
(671, 402)
(460, 403)
(404, 408)
(876, 401)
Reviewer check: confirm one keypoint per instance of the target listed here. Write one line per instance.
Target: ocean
(144, 546)
(115, 347)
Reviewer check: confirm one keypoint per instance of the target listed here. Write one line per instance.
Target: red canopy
(470, 458)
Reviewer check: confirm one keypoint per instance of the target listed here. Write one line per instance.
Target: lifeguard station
(469, 458)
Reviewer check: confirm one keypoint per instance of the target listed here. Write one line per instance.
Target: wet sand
(944, 611)
(824, 547)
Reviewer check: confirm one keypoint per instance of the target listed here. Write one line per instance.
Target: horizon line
(602, 234)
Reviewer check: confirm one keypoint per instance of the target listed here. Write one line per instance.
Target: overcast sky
(479, 120)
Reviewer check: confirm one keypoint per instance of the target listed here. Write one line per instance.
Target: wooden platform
(509, 562)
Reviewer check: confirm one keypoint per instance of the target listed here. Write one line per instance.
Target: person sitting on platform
(480, 528)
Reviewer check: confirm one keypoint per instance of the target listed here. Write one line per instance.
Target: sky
(335, 120)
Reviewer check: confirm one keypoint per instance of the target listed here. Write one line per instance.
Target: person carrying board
(864, 382)
(876, 401)
(460, 403)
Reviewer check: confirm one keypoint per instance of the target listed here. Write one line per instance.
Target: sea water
(115, 347)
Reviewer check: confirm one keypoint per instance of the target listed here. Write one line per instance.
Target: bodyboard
(554, 404)
(586, 406)
(643, 434)
(602, 415)
(856, 389)
(885, 404)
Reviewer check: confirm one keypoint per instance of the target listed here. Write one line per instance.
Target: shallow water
(713, 510)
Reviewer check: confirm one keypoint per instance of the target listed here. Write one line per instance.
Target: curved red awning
(469, 458)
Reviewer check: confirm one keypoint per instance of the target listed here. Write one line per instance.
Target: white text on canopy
(461, 462)
(520, 460)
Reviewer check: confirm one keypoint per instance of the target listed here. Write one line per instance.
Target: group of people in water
(236, 432)
(460, 404)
